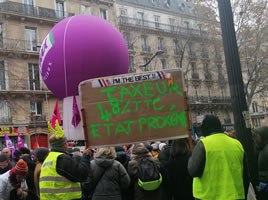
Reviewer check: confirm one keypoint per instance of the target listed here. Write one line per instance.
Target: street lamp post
(149, 61)
(239, 105)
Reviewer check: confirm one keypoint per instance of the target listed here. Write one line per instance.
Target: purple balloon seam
(80, 48)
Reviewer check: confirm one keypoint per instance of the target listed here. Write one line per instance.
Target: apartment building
(163, 34)
(25, 103)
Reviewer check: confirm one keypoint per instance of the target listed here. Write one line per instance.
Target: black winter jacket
(71, 169)
(113, 180)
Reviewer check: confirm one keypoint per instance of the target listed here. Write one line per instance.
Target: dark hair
(16, 155)
(41, 154)
(25, 150)
(3, 158)
(179, 147)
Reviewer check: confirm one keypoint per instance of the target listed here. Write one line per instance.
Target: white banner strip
(96, 83)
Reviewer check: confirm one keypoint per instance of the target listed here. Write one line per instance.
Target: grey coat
(114, 179)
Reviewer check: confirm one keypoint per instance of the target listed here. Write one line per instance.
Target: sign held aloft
(134, 108)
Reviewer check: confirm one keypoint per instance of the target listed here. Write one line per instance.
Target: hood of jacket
(104, 161)
(263, 132)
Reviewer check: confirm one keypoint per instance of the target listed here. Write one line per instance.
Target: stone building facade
(25, 103)
(175, 36)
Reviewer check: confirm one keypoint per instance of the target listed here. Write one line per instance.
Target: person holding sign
(60, 173)
(218, 164)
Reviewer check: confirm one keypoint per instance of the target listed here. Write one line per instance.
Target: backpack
(149, 177)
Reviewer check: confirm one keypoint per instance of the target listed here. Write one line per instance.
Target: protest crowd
(216, 169)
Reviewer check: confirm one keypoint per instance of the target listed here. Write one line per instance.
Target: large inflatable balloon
(80, 48)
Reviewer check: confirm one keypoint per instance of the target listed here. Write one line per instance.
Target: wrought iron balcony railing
(164, 49)
(207, 99)
(195, 76)
(146, 48)
(38, 118)
(141, 23)
(5, 120)
(208, 76)
(33, 11)
(19, 45)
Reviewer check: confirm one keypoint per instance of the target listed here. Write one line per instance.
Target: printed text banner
(136, 110)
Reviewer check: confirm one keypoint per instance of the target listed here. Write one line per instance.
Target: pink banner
(20, 142)
(9, 143)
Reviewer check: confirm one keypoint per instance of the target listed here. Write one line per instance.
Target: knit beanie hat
(21, 168)
(211, 124)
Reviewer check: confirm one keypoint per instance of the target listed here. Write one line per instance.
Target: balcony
(208, 76)
(20, 46)
(192, 54)
(38, 118)
(177, 52)
(5, 120)
(209, 100)
(195, 76)
(146, 48)
(163, 49)
(227, 121)
(10, 7)
(167, 28)
(204, 55)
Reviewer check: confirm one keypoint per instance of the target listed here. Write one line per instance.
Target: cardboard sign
(134, 108)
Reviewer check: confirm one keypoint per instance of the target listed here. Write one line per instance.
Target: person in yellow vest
(218, 165)
(61, 174)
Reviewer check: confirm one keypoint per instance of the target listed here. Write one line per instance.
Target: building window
(255, 107)
(257, 122)
(31, 39)
(144, 43)
(123, 12)
(161, 44)
(29, 7)
(1, 34)
(36, 108)
(34, 79)
(131, 67)
(157, 20)
(186, 23)
(147, 67)
(5, 114)
(172, 24)
(126, 36)
(176, 47)
(140, 20)
(164, 63)
(200, 28)
(167, 3)
(191, 49)
(2, 76)
(104, 13)
(85, 10)
(60, 11)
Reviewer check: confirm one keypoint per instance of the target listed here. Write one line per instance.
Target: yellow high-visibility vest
(222, 178)
(54, 186)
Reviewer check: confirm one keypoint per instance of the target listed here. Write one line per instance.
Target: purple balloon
(80, 48)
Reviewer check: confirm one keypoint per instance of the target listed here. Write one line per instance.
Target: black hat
(211, 124)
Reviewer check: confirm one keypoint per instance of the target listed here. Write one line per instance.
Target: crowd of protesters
(216, 169)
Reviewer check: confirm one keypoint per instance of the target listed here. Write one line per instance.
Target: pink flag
(55, 115)
(20, 142)
(9, 143)
(76, 114)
